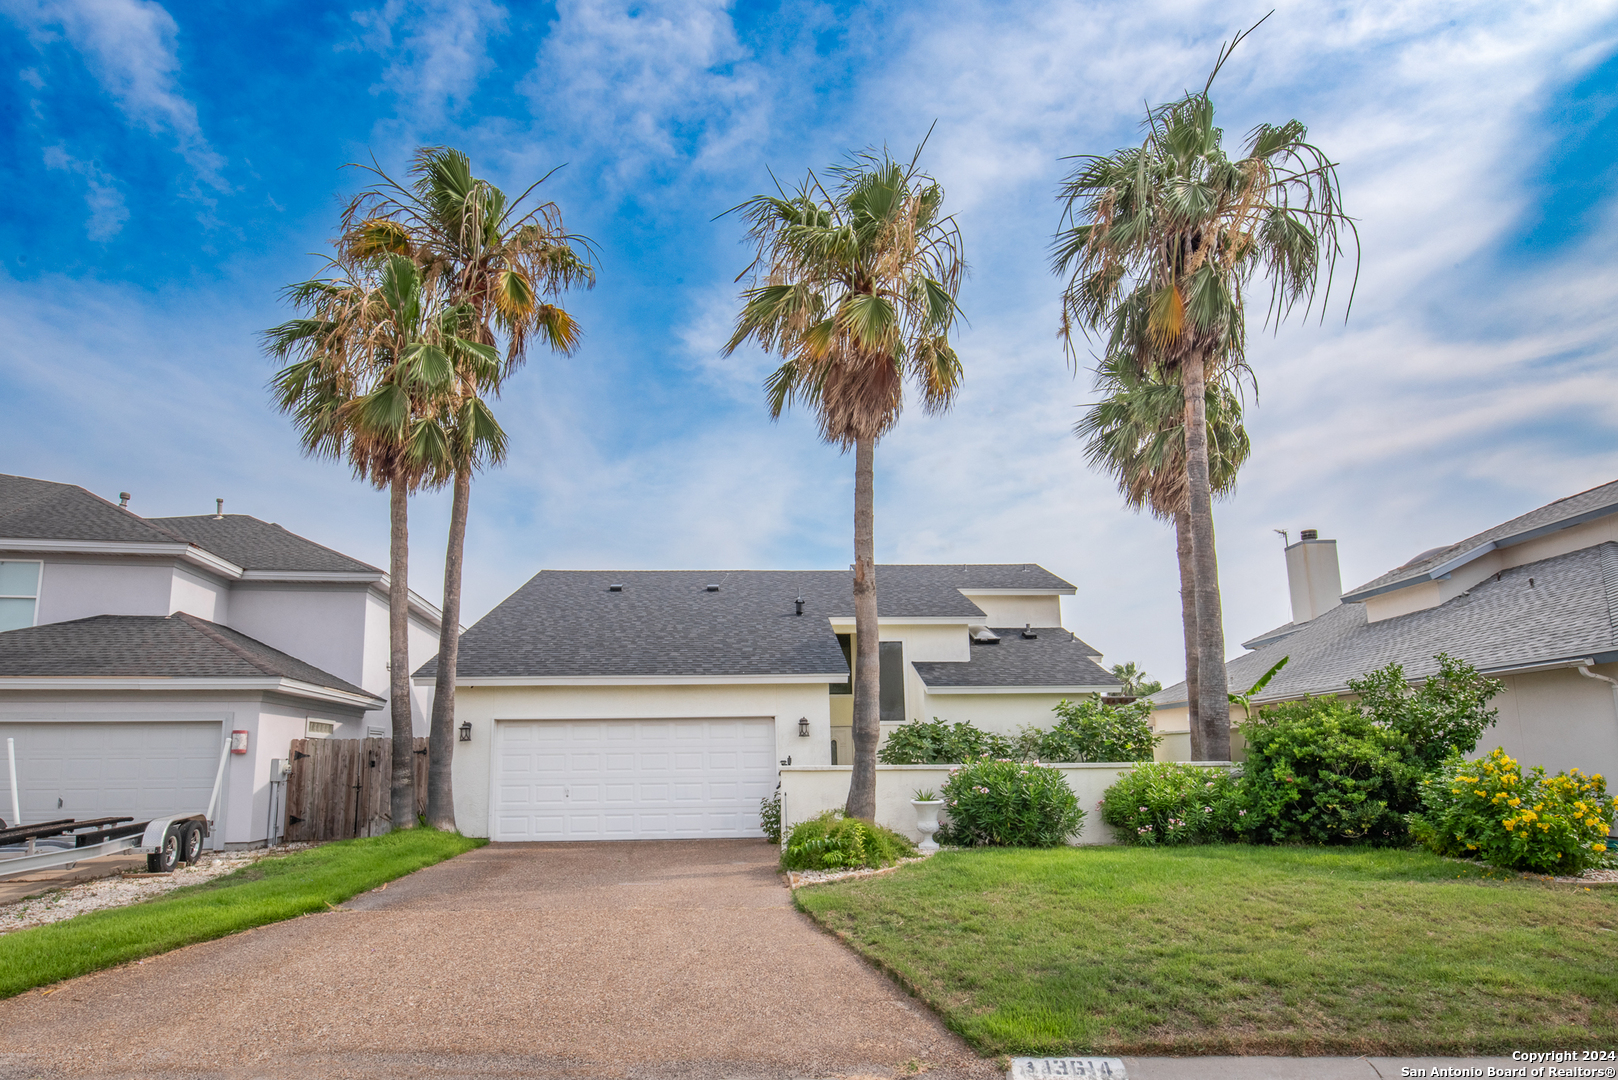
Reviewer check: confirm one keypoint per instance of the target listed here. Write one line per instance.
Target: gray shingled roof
(260, 545)
(44, 510)
(985, 576)
(1569, 611)
(178, 646)
(1563, 513)
(565, 623)
(1055, 658)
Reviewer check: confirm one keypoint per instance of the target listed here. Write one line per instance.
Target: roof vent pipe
(123, 500)
(711, 588)
(615, 588)
(1313, 577)
(799, 602)
(219, 510)
(1028, 631)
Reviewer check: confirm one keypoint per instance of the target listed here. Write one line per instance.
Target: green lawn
(1236, 949)
(266, 892)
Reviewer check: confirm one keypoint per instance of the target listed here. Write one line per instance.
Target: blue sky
(171, 167)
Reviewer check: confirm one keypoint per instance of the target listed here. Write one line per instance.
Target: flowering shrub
(834, 842)
(1170, 803)
(1093, 731)
(1490, 809)
(1007, 803)
(940, 743)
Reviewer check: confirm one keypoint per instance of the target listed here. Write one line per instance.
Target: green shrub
(1090, 730)
(1446, 715)
(835, 842)
(1008, 803)
(769, 816)
(1320, 771)
(1490, 809)
(940, 743)
(1171, 803)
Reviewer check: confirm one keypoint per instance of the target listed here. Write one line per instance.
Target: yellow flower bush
(1492, 810)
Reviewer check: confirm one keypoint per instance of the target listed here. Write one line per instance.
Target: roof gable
(44, 510)
(1563, 513)
(253, 544)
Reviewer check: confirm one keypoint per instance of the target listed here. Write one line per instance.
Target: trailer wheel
(191, 844)
(163, 861)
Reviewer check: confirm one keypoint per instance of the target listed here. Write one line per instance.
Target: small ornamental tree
(1445, 715)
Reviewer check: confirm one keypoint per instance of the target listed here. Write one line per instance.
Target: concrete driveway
(660, 959)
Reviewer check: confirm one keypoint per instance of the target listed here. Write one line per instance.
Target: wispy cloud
(437, 51)
(654, 82)
(129, 46)
(108, 211)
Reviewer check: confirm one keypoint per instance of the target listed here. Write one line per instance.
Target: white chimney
(1313, 577)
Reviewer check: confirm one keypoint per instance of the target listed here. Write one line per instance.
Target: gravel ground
(127, 888)
(679, 960)
(799, 878)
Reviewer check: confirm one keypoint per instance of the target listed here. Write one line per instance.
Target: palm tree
(506, 265)
(371, 364)
(854, 289)
(1158, 242)
(1136, 433)
(1136, 683)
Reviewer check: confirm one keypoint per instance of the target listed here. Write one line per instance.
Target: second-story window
(19, 594)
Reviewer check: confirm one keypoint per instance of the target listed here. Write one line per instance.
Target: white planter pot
(927, 821)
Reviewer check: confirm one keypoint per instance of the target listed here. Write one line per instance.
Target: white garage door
(84, 770)
(631, 779)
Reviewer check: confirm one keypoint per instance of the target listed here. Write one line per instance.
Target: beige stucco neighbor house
(652, 704)
(1532, 602)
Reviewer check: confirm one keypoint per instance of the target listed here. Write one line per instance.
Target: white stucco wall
(1003, 714)
(77, 588)
(200, 594)
(1002, 609)
(323, 625)
(806, 792)
(484, 706)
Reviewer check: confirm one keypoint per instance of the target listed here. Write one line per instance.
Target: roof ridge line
(211, 631)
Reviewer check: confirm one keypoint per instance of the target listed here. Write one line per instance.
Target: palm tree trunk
(441, 736)
(1188, 618)
(867, 638)
(1213, 691)
(403, 802)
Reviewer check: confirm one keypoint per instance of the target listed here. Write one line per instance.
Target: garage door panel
(139, 769)
(627, 779)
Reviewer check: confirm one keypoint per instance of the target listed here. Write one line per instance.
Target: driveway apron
(629, 959)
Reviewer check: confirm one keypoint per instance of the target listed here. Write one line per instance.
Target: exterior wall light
(803, 726)
(466, 731)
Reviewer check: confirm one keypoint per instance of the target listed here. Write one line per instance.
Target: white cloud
(439, 51)
(654, 82)
(106, 202)
(129, 45)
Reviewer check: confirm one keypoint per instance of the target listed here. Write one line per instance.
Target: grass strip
(1238, 950)
(268, 891)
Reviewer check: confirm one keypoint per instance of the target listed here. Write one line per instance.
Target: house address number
(1088, 1068)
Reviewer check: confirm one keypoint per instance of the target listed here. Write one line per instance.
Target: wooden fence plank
(340, 788)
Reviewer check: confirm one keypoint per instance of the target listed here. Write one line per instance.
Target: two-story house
(1532, 602)
(653, 704)
(131, 647)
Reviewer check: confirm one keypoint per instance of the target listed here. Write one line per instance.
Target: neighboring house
(130, 647)
(1532, 602)
(642, 704)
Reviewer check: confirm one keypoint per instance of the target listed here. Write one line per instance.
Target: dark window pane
(893, 682)
(846, 642)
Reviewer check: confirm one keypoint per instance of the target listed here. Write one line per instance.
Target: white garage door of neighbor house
(631, 779)
(141, 769)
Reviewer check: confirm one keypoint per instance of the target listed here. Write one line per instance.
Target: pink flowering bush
(1005, 803)
(1170, 803)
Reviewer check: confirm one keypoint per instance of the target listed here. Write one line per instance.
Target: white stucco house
(661, 704)
(131, 647)
(1532, 602)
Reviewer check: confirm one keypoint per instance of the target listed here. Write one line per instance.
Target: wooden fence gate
(339, 788)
